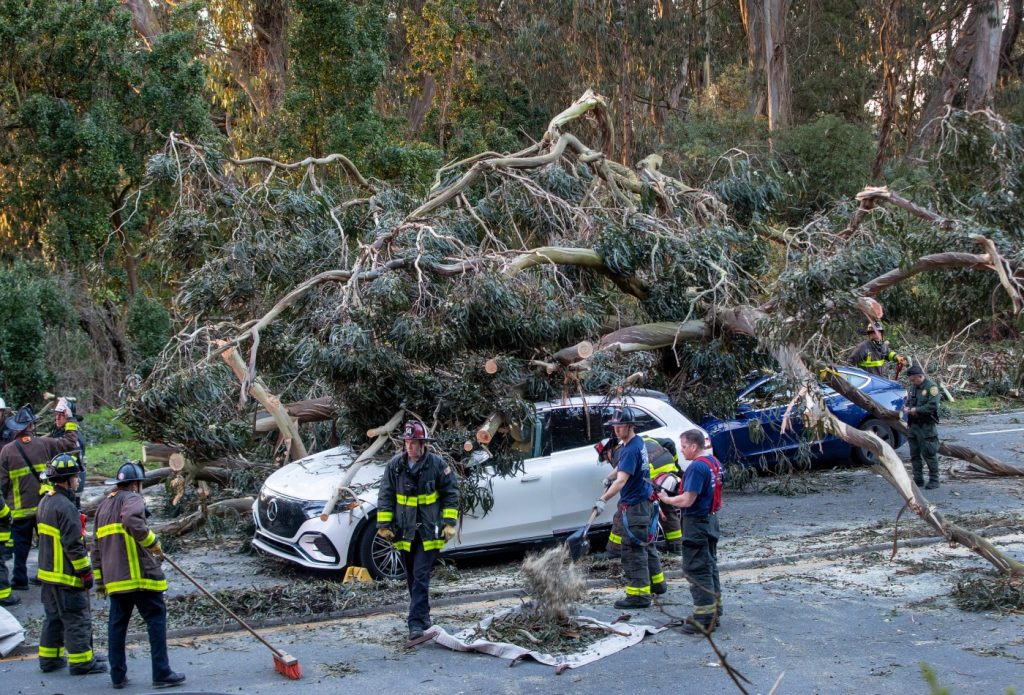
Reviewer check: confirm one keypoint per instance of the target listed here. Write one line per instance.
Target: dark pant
(154, 611)
(640, 560)
(5, 584)
(924, 444)
(67, 628)
(418, 564)
(700, 564)
(22, 534)
(670, 525)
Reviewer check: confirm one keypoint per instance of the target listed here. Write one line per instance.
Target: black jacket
(926, 399)
(421, 499)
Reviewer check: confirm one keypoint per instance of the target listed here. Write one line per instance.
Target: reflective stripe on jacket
(421, 500)
(872, 358)
(20, 485)
(120, 555)
(63, 557)
(5, 524)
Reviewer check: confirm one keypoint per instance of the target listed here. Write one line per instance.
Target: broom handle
(224, 608)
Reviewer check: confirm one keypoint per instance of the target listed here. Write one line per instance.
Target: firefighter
(640, 560)
(63, 413)
(66, 575)
(700, 500)
(872, 354)
(6, 598)
(922, 411)
(661, 453)
(22, 463)
(127, 561)
(417, 510)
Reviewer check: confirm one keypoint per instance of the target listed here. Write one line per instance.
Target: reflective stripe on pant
(700, 567)
(924, 444)
(21, 532)
(418, 564)
(640, 562)
(614, 546)
(67, 626)
(5, 584)
(154, 611)
(672, 527)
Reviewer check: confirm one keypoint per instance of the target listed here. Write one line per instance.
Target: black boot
(659, 588)
(97, 665)
(633, 602)
(171, 680)
(932, 484)
(697, 626)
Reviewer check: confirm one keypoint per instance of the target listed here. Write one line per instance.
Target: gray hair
(693, 437)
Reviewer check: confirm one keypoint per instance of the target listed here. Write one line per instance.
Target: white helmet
(667, 482)
(3, 404)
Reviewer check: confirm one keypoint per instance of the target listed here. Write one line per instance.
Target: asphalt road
(839, 618)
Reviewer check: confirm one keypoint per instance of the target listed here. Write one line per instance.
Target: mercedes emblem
(272, 510)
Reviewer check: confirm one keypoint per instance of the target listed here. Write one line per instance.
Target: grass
(980, 404)
(109, 442)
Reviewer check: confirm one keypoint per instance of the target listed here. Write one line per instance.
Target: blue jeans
(21, 534)
(154, 611)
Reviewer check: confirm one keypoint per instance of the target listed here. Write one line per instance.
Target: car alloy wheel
(880, 429)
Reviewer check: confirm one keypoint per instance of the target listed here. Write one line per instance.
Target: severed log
(381, 433)
(486, 432)
(978, 460)
(156, 451)
(257, 390)
(313, 410)
(176, 462)
(584, 258)
(226, 508)
(648, 336)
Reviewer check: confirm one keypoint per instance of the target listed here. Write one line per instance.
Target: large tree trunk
(1011, 31)
(752, 15)
(985, 65)
(145, 18)
(780, 94)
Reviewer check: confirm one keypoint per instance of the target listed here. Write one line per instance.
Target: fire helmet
(62, 467)
(873, 326)
(623, 416)
(129, 472)
(667, 482)
(415, 431)
(21, 420)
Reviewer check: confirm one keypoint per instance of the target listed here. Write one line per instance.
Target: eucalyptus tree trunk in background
(752, 15)
(780, 94)
(1011, 31)
(985, 66)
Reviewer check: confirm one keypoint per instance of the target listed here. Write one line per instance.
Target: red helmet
(415, 431)
(605, 448)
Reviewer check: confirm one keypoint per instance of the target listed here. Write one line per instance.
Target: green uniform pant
(924, 444)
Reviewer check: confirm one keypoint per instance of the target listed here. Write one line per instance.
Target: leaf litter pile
(543, 623)
(989, 592)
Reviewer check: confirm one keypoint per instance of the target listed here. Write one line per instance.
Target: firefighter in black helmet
(418, 510)
(872, 354)
(66, 574)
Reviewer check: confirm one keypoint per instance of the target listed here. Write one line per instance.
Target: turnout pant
(670, 525)
(5, 583)
(21, 533)
(924, 444)
(640, 559)
(154, 611)
(700, 565)
(67, 628)
(418, 564)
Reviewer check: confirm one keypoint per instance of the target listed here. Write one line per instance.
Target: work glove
(607, 482)
(101, 591)
(449, 531)
(385, 533)
(156, 549)
(599, 505)
(87, 580)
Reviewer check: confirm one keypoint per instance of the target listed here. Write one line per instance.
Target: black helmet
(62, 467)
(873, 326)
(623, 416)
(915, 370)
(21, 420)
(129, 472)
(606, 448)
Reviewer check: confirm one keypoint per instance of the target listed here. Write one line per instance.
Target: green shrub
(148, 329)
(832, 157)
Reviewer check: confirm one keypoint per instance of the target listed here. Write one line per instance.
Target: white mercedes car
(551, 497)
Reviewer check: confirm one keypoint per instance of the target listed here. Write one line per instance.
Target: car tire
(883, 431)
(377, 555)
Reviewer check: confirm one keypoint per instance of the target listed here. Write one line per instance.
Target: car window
(771, 392)
(576, 426)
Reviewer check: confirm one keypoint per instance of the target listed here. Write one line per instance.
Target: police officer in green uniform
(922, 411)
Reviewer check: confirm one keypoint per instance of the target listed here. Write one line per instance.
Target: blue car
(754, 438)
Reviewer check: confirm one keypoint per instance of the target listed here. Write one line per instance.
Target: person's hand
(599, 505)
(662, 495)
(101, 591)
(87, 580)
(449, 531)
(607, 482)
(901, 360)
(385, 533)
(156, 549)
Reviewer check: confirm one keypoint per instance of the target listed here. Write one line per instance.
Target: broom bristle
(288, 666)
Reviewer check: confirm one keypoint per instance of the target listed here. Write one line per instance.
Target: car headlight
(312, 509)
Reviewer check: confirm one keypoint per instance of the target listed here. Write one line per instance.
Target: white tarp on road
(11, 632)
(620, 636)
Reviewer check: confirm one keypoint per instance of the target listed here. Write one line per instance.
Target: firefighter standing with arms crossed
(640, 559)
(127, 560)
(417, 510)
(700, 500)
(22, 463)
(66, 574)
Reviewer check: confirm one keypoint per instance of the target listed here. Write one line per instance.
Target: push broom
(285, 664)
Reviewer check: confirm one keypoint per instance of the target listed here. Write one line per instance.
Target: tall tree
(780, 93)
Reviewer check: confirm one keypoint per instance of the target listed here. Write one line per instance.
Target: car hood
(315, 477)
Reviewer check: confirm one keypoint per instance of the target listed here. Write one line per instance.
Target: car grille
(281, 516)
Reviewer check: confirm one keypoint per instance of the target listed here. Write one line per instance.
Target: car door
(567, 441)
(521, 511)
